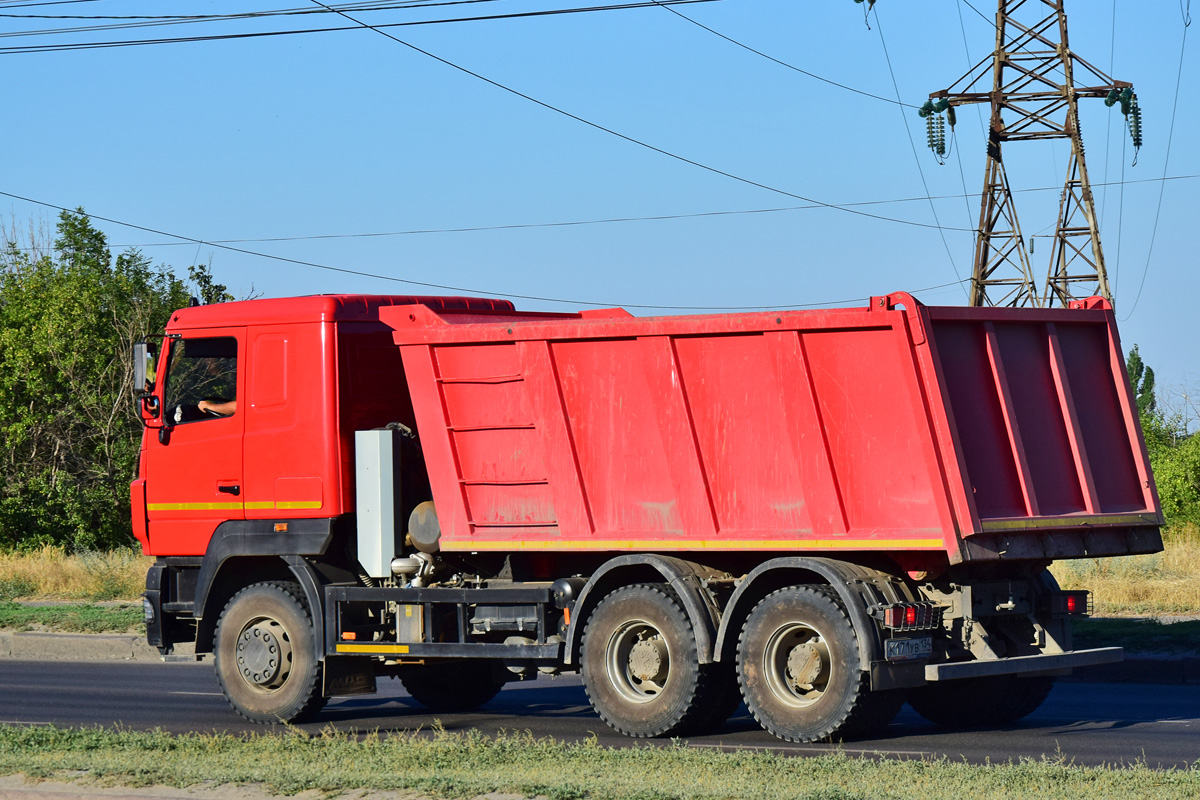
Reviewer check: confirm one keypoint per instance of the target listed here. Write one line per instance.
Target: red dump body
(963, 433)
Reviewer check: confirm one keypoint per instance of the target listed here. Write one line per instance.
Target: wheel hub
(796, 664)
(804, 666)
(262, 653)
(647, 659)
(638, 661)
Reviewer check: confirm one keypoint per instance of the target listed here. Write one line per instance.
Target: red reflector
(910, 615)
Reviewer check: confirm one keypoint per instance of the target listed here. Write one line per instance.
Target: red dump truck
(823, 514)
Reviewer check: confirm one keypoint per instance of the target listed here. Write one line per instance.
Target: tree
(1174, 454)
(1141, 377)
(69, 315)
(210, 291)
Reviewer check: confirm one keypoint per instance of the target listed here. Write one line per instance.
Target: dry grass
(52, 574)
(1163, 583)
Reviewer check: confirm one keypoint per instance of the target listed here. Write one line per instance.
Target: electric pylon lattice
(1036, 83)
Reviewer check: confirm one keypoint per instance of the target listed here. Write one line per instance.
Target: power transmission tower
(1034, 95)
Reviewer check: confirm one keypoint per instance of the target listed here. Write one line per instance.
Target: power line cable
(613, 220)
(962, 28)
(780, 62)
(630, 139)
(1120, 213)
(77, 46)
(1112, 49)
(962, 177)
(430, 285)
(391, 5)
(913, 145)
(150, 20)
(1187, 23)
(50, 3)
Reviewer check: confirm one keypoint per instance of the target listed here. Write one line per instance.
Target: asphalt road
(1089, 723)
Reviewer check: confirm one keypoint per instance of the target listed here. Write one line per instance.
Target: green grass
(1138, 636)
(471, 764)
(73, 618)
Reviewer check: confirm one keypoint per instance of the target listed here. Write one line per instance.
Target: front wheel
(264, 654)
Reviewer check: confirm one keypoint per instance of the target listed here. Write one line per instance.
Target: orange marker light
(349, 636)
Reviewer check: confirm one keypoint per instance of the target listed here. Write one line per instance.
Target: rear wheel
(718, 697)
(980, 702)
(451, 686)
(264, 654)
(640, 664)
(799, 668)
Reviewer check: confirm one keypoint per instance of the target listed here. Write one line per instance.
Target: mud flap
(347, 675)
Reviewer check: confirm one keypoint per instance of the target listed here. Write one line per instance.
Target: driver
(222, 408)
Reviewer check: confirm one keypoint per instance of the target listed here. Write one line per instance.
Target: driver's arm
(225, 409)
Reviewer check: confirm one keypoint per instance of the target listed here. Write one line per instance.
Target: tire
(799, 670)
(264, 654)
(875, 712)
(451, 686)
(717, 698)
(980, 702)
(1026, 697)
(640, 665)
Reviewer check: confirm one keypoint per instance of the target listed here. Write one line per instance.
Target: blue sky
(351, 133)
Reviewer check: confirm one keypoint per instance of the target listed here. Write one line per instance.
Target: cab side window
(202, 379)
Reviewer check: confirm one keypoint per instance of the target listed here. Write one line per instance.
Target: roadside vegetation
(1161, 583)
(50, 573)
(70, 312)
(89, 592)
(75, 618)
(471, 764)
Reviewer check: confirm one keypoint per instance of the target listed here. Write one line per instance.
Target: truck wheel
(980, 702)
(451, 686)
(875, 712)
(264, 654)
(640, 665)
(799, 669)
(718, 697)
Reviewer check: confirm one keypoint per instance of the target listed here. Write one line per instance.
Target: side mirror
(143, 368)
(143, 379)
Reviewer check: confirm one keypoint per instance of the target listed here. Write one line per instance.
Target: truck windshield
(202, 379)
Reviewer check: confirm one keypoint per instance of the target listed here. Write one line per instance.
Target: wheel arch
(857, 587)
(243, 552)
(682, 576)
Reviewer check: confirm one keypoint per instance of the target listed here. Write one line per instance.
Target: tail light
(911, 616)
(1071, 604)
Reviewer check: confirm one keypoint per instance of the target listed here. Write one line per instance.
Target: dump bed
(977, 433)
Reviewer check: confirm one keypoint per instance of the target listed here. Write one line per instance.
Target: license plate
(905, 649)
